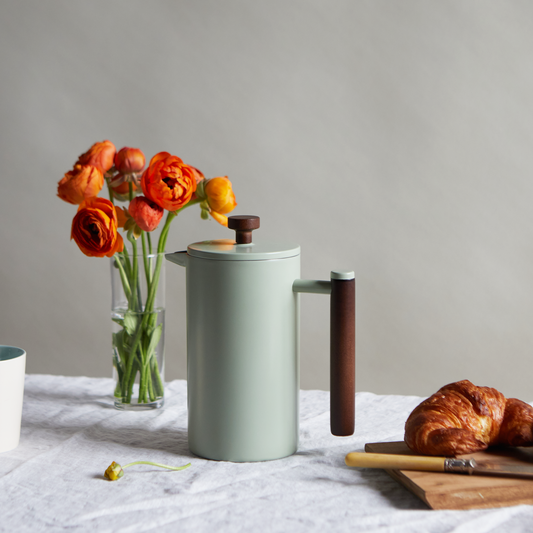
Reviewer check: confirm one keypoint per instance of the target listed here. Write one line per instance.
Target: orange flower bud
(168, 181)
(220, 195)
(94, 228)
(99, 155)
(129, 160)
(83, 181)
(147, 214)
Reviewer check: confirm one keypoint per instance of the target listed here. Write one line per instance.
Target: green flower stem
(129, 378)
(160, 249)
(142, 385)
(147, 365)
(148, 314)
(160, 388)
(144, 380)
(135, 304)
(150, 385)
(128, 386)
(136, 301)
(127, 262)
(149, 239)
(157, 464)
(123, 277)
(120, 372)
(147, 271)
(142, 359)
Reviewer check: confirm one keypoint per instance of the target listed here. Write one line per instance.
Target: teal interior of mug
(10, 352)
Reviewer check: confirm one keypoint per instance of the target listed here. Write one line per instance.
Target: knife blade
(436, 464)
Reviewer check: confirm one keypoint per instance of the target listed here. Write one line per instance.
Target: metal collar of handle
(461, 466)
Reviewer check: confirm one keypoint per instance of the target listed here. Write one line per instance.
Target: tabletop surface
(71, 433)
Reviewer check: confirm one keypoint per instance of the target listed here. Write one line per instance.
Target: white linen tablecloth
(71, 432)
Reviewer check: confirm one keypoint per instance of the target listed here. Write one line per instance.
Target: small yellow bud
(114, 472)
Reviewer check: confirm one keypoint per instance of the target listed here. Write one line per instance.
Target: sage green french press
(243, 348)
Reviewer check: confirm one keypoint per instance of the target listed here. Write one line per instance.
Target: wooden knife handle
(395, 462)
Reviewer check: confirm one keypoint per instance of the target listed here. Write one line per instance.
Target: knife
(436, 464)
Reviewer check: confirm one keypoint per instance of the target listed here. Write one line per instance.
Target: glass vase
(138, 339)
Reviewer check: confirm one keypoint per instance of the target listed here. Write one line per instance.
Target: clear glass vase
(138, 340)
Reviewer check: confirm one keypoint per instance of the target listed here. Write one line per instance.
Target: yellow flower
(220, 198)
(220, 195)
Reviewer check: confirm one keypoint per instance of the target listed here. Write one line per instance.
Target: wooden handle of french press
(342, 354)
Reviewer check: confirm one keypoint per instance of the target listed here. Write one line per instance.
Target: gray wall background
(393, 138)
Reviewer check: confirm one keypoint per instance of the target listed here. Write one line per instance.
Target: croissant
(462, 418)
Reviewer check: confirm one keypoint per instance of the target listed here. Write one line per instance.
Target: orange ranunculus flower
(83, 181)
(220, 196)
(168, 181)
(94, 228)
(128, 160)
(147, 214)
(100, 155)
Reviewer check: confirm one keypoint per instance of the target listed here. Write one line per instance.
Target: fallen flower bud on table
(115, 471)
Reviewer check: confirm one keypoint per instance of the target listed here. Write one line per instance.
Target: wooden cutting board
(460, 491)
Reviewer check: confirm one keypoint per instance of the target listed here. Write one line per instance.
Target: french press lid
(243, 248)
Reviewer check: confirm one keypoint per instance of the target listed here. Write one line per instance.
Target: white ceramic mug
(12, 371)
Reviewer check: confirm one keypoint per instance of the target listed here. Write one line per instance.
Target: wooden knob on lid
(243, 226)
